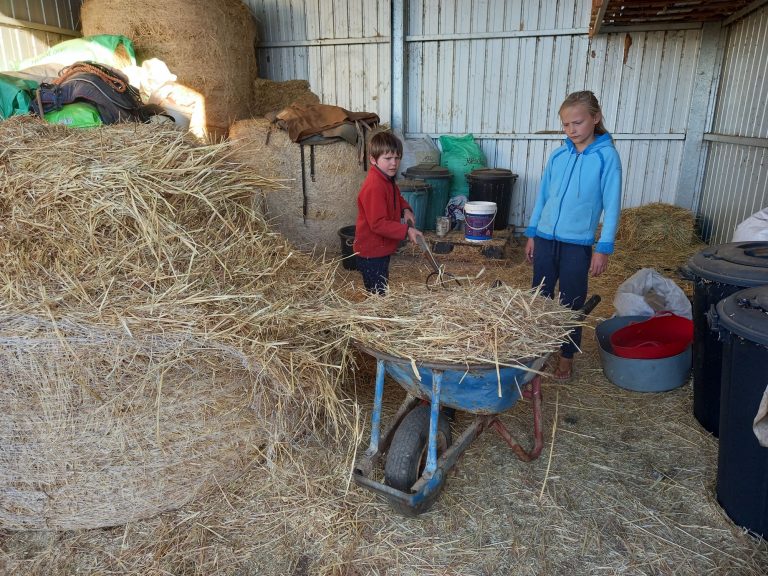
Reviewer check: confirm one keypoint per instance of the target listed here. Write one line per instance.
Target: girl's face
(579, 125)
(388, 163)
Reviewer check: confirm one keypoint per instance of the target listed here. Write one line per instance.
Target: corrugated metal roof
(618, 13)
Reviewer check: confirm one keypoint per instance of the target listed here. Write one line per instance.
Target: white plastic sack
(760, 425)
(647, 292)
(419, 151)
(753, 228)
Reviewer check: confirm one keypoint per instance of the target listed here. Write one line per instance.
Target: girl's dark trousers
(555, 261)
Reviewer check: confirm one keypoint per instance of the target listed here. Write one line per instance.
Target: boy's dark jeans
(375, 273)
(568, 263)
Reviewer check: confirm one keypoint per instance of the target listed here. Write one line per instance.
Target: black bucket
(493, 185)
(347, 238)
(742, 463)
(718, 272)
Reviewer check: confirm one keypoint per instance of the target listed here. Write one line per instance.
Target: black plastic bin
(493, 185)
(718, 272)
(742, 463)
(347, 238)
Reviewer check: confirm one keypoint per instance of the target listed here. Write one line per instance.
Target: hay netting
(331, 187)
(271, 96)
(99, 428)
(135, 230)
(210, 46)
(467, 324)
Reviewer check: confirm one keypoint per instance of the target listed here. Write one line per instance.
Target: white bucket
(478, 220)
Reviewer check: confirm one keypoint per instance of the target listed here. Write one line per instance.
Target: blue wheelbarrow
(417, 448)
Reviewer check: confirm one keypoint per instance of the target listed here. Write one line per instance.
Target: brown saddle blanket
(304, 120)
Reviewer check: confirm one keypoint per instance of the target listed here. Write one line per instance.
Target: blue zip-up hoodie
(576, 189)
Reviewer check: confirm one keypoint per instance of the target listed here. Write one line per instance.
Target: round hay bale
(181, 347)
(210, 46)
(99, 428)
(331, 194)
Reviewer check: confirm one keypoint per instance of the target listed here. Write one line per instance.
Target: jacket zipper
(562, 198)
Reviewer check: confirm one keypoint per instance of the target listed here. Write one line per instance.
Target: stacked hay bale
(210, 46)
(270, 96)
(660, 236)
(147, 328)
(313, 203)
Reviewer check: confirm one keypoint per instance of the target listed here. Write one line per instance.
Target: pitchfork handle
(590, 305)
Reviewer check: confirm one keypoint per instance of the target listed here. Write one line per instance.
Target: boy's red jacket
(380, 205)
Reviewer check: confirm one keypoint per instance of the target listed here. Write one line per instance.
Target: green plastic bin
(439, 178)
(416, 193)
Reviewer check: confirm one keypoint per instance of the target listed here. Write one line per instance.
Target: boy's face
(388, 163)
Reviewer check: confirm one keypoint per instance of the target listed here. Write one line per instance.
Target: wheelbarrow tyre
(407, 456)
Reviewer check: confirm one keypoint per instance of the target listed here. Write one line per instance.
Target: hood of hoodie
(601, 141)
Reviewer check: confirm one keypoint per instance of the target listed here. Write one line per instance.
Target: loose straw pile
(141, 271)
(468, 324)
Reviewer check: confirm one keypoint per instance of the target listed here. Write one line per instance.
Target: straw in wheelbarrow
(469, 324)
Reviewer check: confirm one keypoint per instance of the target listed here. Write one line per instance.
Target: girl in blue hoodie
(581, 183)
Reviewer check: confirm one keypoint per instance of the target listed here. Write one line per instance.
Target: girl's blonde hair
(589, 100)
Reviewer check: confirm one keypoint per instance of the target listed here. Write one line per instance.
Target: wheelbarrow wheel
(407, 456)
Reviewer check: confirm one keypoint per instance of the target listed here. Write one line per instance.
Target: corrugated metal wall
(342, 47)
(500, 69)
(29, 28)
(736, 176)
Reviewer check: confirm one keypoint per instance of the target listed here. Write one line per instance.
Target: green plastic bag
(102, 49)
(461, 155)
(76, 115)
(15, 95)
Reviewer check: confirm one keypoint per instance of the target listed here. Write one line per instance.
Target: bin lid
(492, 174)
(738, 263)
(745, 314)
(413, 185)
(428, 170)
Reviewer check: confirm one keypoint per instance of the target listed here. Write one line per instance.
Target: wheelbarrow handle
(589, 305)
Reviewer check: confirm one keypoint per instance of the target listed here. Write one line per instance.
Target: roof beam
(748, 9)
(602, 6)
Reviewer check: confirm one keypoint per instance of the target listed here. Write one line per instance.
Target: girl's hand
(409, 217)
(599, 264)
(529, 251)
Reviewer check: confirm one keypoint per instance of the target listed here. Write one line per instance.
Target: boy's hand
(413, 234)
(409, 217)
(529, 251)
(599, 264)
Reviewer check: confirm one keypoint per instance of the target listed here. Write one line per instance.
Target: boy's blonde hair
(589, 100)
(383, 142)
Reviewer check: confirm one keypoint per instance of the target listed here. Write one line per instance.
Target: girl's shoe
(563, 370)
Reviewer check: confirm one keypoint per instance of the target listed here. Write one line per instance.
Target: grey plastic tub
(640, 375)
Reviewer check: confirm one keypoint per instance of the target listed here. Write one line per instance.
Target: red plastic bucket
(660, 336)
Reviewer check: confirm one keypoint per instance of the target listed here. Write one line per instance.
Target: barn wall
(29, 28)
(342, 47)
(735, 183)
(500, 69)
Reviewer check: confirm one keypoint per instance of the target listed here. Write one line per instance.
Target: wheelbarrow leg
(377, 401)
(502, 431)
(380, 443)
(431, 464)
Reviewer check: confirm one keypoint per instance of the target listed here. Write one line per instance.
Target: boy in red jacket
(380, 207)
